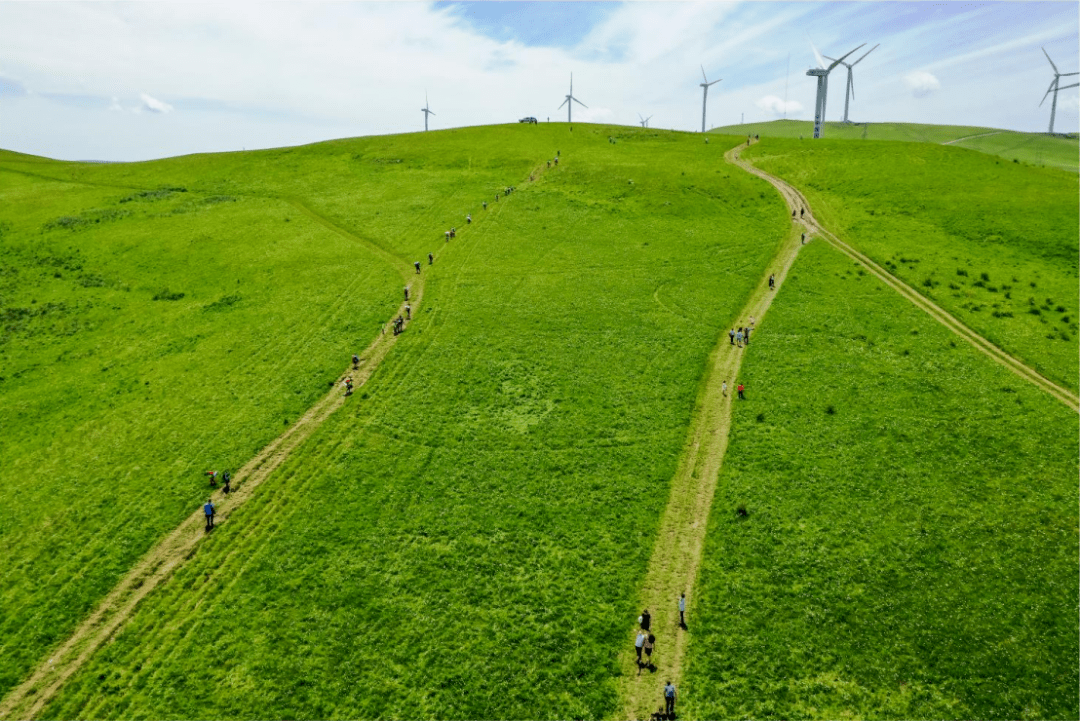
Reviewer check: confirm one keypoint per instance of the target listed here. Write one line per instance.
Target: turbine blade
(820, 59)
(837, 62)
(1051, 61)
(564, 103)
(714, 82)
(579, 102)
(865, 54)
(851, 82)
(1074, 85)
(1053, 84)
(828, 58)
(703, 74)
(431, 112)
(1065, 75)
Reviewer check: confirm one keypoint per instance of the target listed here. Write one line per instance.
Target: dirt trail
(969, 137)
(29, 698)
(673, 566)
(796, 200)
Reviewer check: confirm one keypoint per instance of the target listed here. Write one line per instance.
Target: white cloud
(115, 105)
(921, 83)
(153, 104)
(777, 107)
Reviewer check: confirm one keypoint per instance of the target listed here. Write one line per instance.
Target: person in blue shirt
(682, 602)
(208, 509)
(669, 700)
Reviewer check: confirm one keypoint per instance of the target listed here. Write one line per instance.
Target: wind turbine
(705, 95)
(822, 75)
(851, 81)
(426, 112)
(1055, 86)
(569, 105)
(644, 121)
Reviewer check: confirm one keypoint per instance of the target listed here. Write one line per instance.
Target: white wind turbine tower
(851, 81)
(822, 75)
(644, 121)
(1055, 86)
(570, 100)
(426, 111)
(705, 95)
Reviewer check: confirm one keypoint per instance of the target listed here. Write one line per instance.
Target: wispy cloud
(153, 105)
(300, 72)
(921, 83)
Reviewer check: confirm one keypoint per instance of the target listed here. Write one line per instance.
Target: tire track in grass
(676, 555)
(796, 200)
(30, 697)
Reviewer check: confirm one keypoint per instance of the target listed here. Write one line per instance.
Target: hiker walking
(792, 212)
(355, 360)
(738, 338)
(348, 386)
(741, 389)
(682, 598)
(731, 336)
(556, 161)
(772, 282)
(747, 339)
(802, 211)
(416, 264)
(430, 258)
(468, 219)
(669, 699)
(650, 643)
(723, 388)
(453, 232)
(639, 644)
(213, 478)
(406, 292)
(447, 234)
(408, 312)
(208, 511)
(645, 620)
(226, 479)
(804, 238)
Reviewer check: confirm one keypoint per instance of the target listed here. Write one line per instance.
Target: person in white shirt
(638, 645)
(682, 598)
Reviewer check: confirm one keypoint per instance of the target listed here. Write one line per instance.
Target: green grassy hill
(1032, 148)
(994, 243)
(910, 549)
(467, 536)
(502, 473)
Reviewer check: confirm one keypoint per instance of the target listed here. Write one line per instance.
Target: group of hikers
(226, 488)
(646, 643)
(742, 335)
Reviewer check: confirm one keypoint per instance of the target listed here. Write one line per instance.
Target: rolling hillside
(1032, 148)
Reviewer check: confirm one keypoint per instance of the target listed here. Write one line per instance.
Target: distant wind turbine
(822, 75)
(426, 111)
(850, 93)
(705, 95)
(644, 121)
(1055, 86)
(570, 100)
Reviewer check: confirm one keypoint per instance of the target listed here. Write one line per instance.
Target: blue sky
(127, 81)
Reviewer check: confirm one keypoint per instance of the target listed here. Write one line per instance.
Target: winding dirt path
(28, 699)
(969, 137)
(673, 566)
(795, 199)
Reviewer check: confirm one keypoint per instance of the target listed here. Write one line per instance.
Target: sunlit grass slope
(1033, 148)
(993, 242)
(165, 318)
(465, 538)
(910, 549)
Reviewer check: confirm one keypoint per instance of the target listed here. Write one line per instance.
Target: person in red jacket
(741, 396)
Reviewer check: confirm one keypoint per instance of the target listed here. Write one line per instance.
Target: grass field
(1031, 148)
(910, 549)
(164, 318)
(992, 242)
(479, 519)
